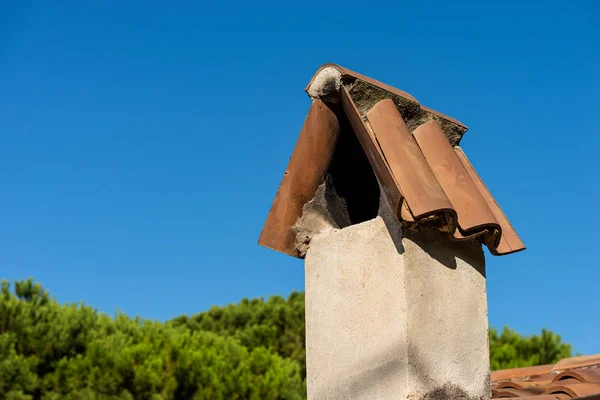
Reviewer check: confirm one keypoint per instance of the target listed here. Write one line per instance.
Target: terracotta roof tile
(346, 73)
(570, 378)
(576, 362)
(413, 152)
(576, 390)
(506, 393)
(520, 373)
(509, 241)
(306, 170)
(543, 385)
(542, 377)
(582, 375)
(372, 149)
(413, 173)
(472, 211)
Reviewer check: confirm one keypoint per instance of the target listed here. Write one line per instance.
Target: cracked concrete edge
(327, 211)
(354, 314)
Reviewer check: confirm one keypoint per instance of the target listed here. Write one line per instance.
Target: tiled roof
(571, 378)
(413, 152)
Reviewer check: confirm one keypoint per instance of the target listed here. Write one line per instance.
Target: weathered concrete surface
(447, 321)
(392, 317)
(326, 211)
(355, 315)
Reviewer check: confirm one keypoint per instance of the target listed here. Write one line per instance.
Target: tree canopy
(252, 350)
(511, 350)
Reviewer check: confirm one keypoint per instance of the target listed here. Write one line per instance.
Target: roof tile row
(425, 176)
(571, 378)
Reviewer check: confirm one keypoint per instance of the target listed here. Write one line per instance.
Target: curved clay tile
(577, 362)
(576, 390)
(542, 377)
(520, 373)
(582, 375)
(564, 382)
(306, 170)
(519, 385)
(434, 178)
(508, 241)
(556, 396)
(470, 206)
(413, 152)
(508, 393)
(346, 73)
(414, 175)
(372, 150)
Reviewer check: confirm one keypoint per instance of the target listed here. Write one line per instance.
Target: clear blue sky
(141, 147)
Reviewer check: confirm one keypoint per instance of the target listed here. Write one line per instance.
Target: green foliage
(252, 350)
(50, 351)
(511, 350)
(276, 324)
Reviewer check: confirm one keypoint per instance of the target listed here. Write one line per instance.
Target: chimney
(390, 217)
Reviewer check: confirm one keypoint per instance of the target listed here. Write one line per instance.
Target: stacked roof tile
(571, 378)
(413, 152)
